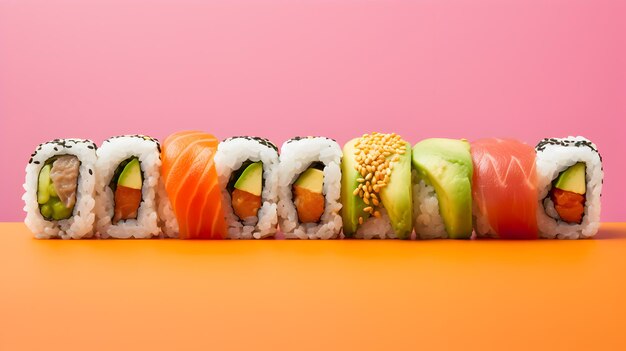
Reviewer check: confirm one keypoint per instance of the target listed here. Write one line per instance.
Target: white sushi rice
(296, 156)
(376, 228)
(482, 227)
(113, 152)
(427, 219)
(553, 157)
(167, 218)
(230, 156)
(80, 225)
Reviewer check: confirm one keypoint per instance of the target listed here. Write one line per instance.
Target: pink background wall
(456, 68)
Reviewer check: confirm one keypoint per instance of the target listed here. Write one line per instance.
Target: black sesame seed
(262, 141)
(297, 138)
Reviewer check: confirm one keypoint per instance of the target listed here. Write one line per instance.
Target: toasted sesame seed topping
(375, 156)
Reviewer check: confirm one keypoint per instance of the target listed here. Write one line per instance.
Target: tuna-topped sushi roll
(376, 187)
(570, 184)
(247, 170)
(504, 186)
(59, 198)
(308, 188)
(126, 188)
(442, 189)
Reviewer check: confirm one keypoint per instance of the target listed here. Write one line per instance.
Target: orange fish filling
(245, 204)
(127, 202)
(310, 205)
(570, 206)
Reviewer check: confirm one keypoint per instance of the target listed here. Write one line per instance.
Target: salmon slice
(245, 205)
(570, 206)
(127, 201)
(309, 205)
(505, 187)
(191, 183)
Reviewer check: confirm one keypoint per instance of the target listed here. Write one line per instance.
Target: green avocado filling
(126, 184)
(312, 180)
(128, 173)
(251, 179)
(573, 179)
(245, 176)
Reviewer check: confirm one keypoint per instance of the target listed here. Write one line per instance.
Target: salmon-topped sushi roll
(191, 183)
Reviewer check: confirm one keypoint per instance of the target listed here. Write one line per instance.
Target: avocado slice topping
(446, 164)
(573, 179)
(353, 205)
(251, 179)
(395, 196)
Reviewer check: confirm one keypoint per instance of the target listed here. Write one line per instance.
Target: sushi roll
(59, 198)
(247, 170)
(309, 183)
(127, 179)
(442, 189)
(191, 183)
(570, 184)
(504, 188)
(376, 187)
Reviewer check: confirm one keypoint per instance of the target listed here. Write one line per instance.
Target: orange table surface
(316, 295)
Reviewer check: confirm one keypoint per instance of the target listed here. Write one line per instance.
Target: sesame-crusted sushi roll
(570, 184)
(376, 187)
(59, 198)
(247, 170)
(309, 184)
(127, 183)
(442, 189)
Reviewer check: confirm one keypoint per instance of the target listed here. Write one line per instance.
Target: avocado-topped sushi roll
(570, 183)
(59, 198)
(309, 187)
(442, 189)
(127, 183)
(376, 187)
(247, 170)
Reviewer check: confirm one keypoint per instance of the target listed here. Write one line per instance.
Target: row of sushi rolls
(378, 186)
